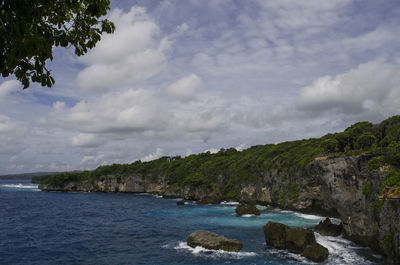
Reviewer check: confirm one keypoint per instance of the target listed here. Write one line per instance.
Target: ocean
(114, 228)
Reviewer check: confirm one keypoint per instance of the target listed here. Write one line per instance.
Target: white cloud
(185, 88)
(371, 87)
(187, 76)
(6, 125)
(212, 150)
(240, 147)
(157, 154)
(85, 140)
(59, 106)
(133, 53)
(122, 112)
(93, 160)
(7, 87)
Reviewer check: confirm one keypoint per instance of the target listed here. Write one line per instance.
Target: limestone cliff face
(334, 187)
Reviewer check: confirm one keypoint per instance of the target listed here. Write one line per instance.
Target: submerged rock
(326, 228)
(212, 240)
(296, 240)
(180, 202)
(247, 208)
(270, 208)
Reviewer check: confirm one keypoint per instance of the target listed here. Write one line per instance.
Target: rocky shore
(335, 187)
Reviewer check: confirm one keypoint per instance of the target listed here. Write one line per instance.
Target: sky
(182, 77)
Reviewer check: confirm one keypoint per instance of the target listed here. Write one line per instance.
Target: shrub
(375, 162)
(365, 140)
(330, 145)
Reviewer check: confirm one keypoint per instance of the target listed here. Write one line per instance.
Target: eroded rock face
(296, 240)
(332, 187)
(326, 228)
(247, 208)
(214, 241)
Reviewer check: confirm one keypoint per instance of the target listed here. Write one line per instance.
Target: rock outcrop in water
(297, 240)
(246, 208)
(214, 241)
(180, 202)
(327, 228)
(318, 175)
(336, 187)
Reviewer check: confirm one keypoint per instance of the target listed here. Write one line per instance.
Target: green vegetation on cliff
(233, 167)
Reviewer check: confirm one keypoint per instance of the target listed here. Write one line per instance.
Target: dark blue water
(95, 228)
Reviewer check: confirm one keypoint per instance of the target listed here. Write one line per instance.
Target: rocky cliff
(340, 187)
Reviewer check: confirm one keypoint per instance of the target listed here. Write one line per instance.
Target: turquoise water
(96, 228)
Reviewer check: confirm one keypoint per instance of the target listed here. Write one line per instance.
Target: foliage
(29, 29)
(330, 145)
(375, 162)
(392, 179)
(365, 140)
(387, 242)
(367, 189)
(293, 191)
(231, 168)
(194, 179)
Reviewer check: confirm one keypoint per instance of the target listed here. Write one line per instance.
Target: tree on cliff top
(30, 28)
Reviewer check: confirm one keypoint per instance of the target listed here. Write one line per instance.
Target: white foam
(309, 216)
(284, 211)
(200, 251)
(20, 186)
(248, 215)
(341, 251)
(287, 255)
(229, 203)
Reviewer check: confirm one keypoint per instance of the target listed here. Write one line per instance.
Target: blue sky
(182, 77)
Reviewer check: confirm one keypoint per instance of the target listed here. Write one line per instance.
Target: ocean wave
(20, 186)
(200, 251)
(229, 203)
(287, 255)
(342, 251)
(309, 216)
(284, 211)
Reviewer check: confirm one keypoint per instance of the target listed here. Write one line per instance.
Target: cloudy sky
(181, 77)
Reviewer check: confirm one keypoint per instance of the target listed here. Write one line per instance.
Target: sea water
(99, 228)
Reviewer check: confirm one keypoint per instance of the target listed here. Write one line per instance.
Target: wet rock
(327, 228)
(270, 208)
(209, 200)
(247, 208)
(180, 202)
(296, 240)
(315, 252)
(212, 240)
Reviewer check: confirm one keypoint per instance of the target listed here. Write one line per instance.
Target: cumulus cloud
(371, 87)
(85, 140)
(135, 52)
(129, 111)
(7, 87)
(6, 125)
(90, 160)
(157, 154)
(185, 88)
(172, 82)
